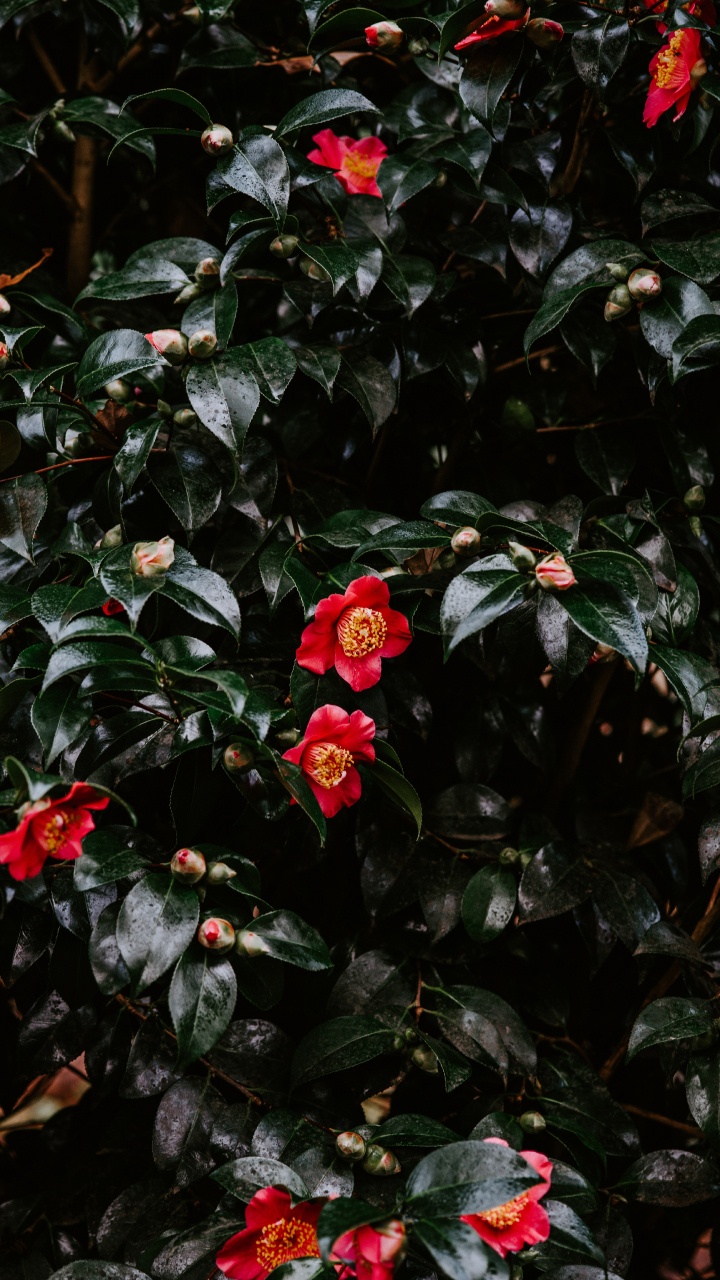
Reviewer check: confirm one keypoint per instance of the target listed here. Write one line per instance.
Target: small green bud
(313, 270)
(185, 418)
(284, 246)
(618, 302)
(188, 865)
(518, 415)
(525, 858)
(532, 1122)
(380, 1162)
(423, 1057)
(216, 935)
(248, 943)
(118, 390)
(202, 343)
(350, 1145)
(508, 856)
(5, 307)
(617, 271)
(418, 46)
(188, 293)
(62, 129)
(522, 557)
(290, 736)
(695, 524)
(466, 541)
(164, 409)
(238, 757)
(219, 873)
(207, 273)
(441, 179)
(694, 499)
(113, 537)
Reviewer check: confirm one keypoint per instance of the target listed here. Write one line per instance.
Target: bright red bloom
(334, 742)
(355, 163)
(371, 1251)
(112, 606)
(676, 69)
(353, 632)
(492, 27)
(274, 1233)
(50, 829)
(704, 9)
(509, 1227)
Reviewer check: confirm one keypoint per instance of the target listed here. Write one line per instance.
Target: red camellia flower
(509, 1227)
(355, 163)
(112, 606)
(492, 27)
(50, 829)
(334, 742)
(371, 1252)
(354, 632)
(676, 69)
(554, 573)
(274, 1233)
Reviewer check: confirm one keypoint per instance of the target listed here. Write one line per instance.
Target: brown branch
(581, 143)
(71, 462)
(534, 355)
(99, 86)
(480, 209)
(79, 245)
(133, 702)
(45, 61)
(669, 1123)
(52, 182)
(599, 678)
(588, 426)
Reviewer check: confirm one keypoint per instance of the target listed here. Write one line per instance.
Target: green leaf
(487, 73)
(188, 482)
(244, 1177)
(414, 1131)
(224, 396)
(456, 1248)
(702, 1088)
(109, 855)
(178, 96)
(669, 1019)
(697, 347)
(340, 1216)
(272, 364)
(467, 1177)
(555, 881)
(599, 50)
(321, 108)
(396, 786)
(216, 310)
(411, 280)
(22, 507)
(606, 456)
(257, 167)
(404, 538)
(201, 593)
(488, 903)
(697, 257)
(663, 319)
(671, 1179)
(321, 363)
(338, 260)
(122, 583)
(59, 716)
(371, 384)
(139, 280)
(113, 355)
(475, 599)
(399, 181)
(607, 615)
(134, 452)
(287, 937)
(338, 1044)
(202, 1000)
(157, 922)
(554, 309)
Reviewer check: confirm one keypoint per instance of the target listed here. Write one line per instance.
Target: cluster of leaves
(514, 919)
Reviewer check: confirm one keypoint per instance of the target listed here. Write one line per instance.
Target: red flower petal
(360, 673)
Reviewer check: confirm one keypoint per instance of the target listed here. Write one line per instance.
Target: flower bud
(418, 46)
(697, 71)
(4, 355)
(193, 14)
(284, 246)
(532, 1122)
(112, 607)
(5, 307)
(384, 35)
(202, 343)
(440, 180)
(219, 873)
(695, 525)
(525, 858)
(238, 757)
(617, 271)
(544, 33)
(380, 1162)
(554, 573)
(152, 558)
(118, 390)
(216, 140)
(185, 418)
(248, 943)
(61, 129)
(188, 293)
(313, 270)
(290, 736)
(644, 283)
(465, 542)
(618, 302)
(516, 413)
(216, 935)
(350, 1145)
(522, 557)
(113, 538)
(424, 1058)
(188, 865)
(694, 499)
(170, 343)
(508, 856)
(603, 653)
(207, 273)
(164, 409)
(506, 8)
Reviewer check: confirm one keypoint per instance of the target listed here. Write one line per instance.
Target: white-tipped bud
(217, 139)
(618, 303)
(216, 935)
(5, 307)
(207, 273)
(644, 283)
(248, 943)
(466, 541)
(170, 343)
(185, 418)
(220, 873)
(202, 343)
(522, 557)
(188, 293)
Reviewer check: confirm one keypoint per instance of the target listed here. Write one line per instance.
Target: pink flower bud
(465, 542)
(152, 558)
(384, 35)
(216, 139)
(207, 273)
(188, 865)
(544, 33)
(350, 1145)
(554, 573)
(202, 343)
(644, 283)
(248, 943)
(4, 355)
(111, 607)
(216, 935)
(170, 343)
(5, 307)
(380, 1162)
(506, 8)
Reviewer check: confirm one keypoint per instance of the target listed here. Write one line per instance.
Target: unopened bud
(188, 865)
(544, 33)
(603, 653)
(516, 413)
(384, 35)
(185, 418)
(553, 573)
(61, 129)
(350, 1145)
(219, 873)
(170, 343)
(119, 390)
(380, 1162)
(522, 557)
(418, 46)
(284, 246)
(440, 180)
(238, 757)
(150, 559)
(113, 538)
(5, 307)
(508, 856)
(313, 270)
(644, 283)
(618, 303)
(506, 8)
(426, 1059)
(250, 944)
(617, 271)
(466, 541)
(694, 499)
(164, 409)
(532, 1122)
(525, 858)
(697, 71)
(207, 273)
(216, 935)
(216, 139)
(4, 355)
(290, 736)
(193, 14)
(695, 526)
(188, 293)
(202, 343)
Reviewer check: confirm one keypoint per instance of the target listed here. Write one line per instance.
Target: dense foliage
(360, 640)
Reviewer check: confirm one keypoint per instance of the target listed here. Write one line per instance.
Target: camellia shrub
(360, 640)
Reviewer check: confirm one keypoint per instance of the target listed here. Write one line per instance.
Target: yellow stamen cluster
(668, 73)
(506, 1215)
(361, 631)
(284, 1240)
(57, 829)
(360, 165)
(327, 763)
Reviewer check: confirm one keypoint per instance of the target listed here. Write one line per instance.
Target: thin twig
(534, 355)
(133, 702)
(474, 218)
(588, 426)
(669, 1123)
(99, 86)
(599, 678)
(581, 142)
(45, 61)
(52, 182)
